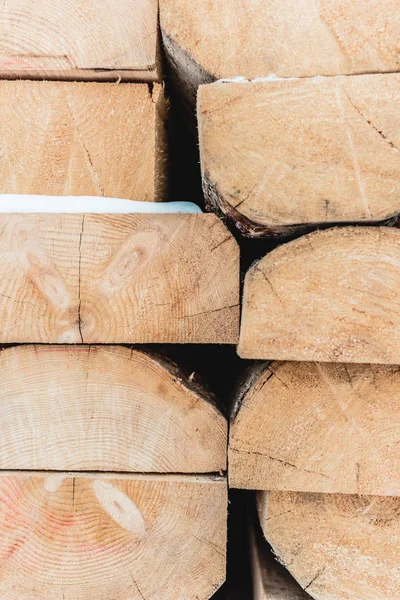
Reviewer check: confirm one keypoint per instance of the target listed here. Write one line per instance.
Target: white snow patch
(20, 203)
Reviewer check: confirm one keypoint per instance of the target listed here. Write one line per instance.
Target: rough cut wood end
(94, 536)
(283, 156)
(79, 40)
(209, 40)
(141, 278)
(330, 296)
(67, 526)
(312, 427)
(82, 139)
(105, 408)
(338, 547)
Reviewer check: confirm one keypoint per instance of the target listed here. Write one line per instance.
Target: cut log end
(256, 39)
(291, 415)
(285, 175)
(171, 278)
(345, 309)
(336, 546)
(94, 536)
(134, 411)
(83, 139)
(79, 40)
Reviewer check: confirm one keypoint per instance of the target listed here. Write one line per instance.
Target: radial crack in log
(120, 279)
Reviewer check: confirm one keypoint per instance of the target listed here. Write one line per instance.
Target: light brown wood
(118, 279)
(271, 581)
(330, 296)
(79, 39)
(313, 427)
(82, 139)
(338, 547)
(98, 537)
(105, 408)
(209, 39)
(279, 157)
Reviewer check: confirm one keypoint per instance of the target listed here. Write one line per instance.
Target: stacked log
(109, 462)
(82, 139)
(118, 279)
(112, 461)
(279, 157)
(321, 441)
(329, 296)
(319, 437)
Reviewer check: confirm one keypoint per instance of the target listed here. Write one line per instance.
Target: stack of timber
(79, 135)
(320, 437)
(279, 157)
(141, 278)
(110, 462)
(207, 40)
(322, 442)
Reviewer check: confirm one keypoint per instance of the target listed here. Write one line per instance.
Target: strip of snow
(19, 203)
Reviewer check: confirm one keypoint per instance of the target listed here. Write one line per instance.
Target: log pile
(113, 461)
(109, 460)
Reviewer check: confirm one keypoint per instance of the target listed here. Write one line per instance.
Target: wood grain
(77, 536)
(312, 427)
(79, 39)
(118, 279)
(207, 40)
(82, 139)
(338, 547)
(281, 157)
(105, 408)
(330, 296)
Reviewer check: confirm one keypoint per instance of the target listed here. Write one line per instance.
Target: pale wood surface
(82, 139)
(330, 296)
(105, 408)
(118, 279)
(315, 427)
(271, 581)
(79, 39)
(284, 155)
(99, 537)
(338, 547)
(210, 39)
